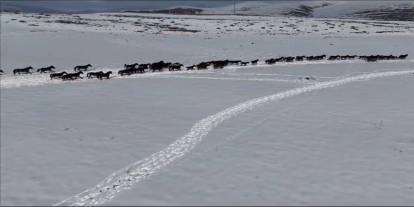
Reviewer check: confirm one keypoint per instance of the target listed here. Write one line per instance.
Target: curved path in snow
(136, 172)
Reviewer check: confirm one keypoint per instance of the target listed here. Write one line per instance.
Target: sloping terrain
(396, 10)
(301, 133)
(375, 10)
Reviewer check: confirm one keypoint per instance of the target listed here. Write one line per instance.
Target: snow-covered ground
(332, 9)
(241, 135)
(367, 9)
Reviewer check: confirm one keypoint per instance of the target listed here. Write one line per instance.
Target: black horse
(254, 62)
(159, 66)
(270, 61)
(218, 64)
(72, 76)
(202, 66)
(130, 71)
(46, 69)
(300, 58)
(308, 78)
(233, 62)
(57, 75)
(143, 67)
(175, 66)
(190, 67)
(126, 66)
(82, 67)
(125, 72)
(372, 58)
(93, 74)
(289, 59)
(25, 70)
(104, 75)
(402, 56)
(334, 57)
(243, 63)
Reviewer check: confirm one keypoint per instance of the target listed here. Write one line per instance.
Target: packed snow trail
(136, 172)
(11, 81)
(237, 79)
(44, 79)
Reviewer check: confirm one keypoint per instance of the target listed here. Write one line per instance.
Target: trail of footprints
(136, 172)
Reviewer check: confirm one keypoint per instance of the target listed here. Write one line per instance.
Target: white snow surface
(332, 9)
(255, 135)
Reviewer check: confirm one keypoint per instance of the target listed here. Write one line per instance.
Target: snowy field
(255, 135)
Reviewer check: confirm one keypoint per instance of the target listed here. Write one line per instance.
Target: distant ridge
(401, 10)
(178, 10)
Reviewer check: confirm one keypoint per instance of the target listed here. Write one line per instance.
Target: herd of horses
(136, 68)
(368, 58)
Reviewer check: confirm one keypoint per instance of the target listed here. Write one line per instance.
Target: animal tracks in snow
(10, 81)
(136, 172)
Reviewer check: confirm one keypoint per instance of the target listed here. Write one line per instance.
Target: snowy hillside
(398, 10)
(325, 132)
(380, 10)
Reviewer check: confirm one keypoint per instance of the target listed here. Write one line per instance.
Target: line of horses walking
(368, 58)
(136, 68)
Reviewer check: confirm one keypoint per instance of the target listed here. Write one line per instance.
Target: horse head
(88, 65)
(52, 67)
